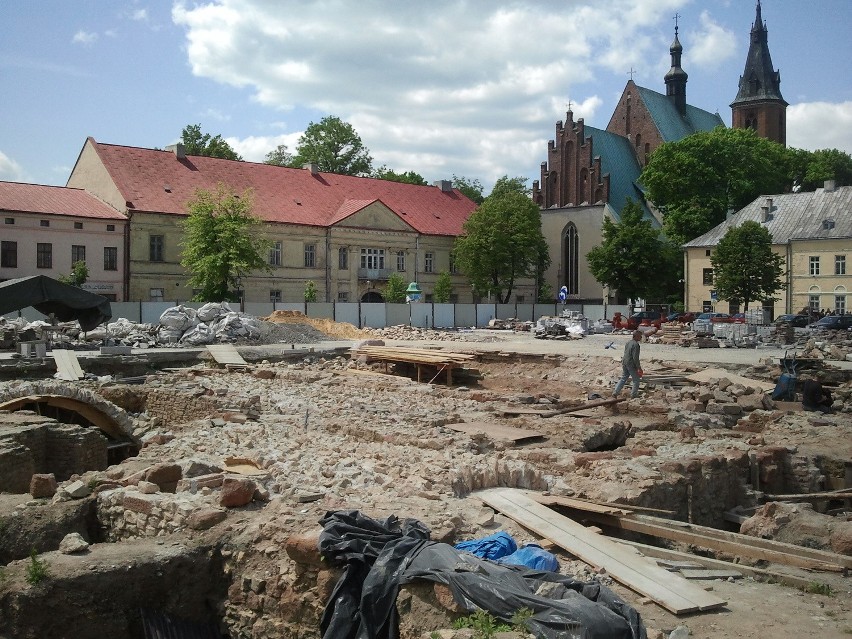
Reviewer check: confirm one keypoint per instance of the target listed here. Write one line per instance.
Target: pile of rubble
(413, 333)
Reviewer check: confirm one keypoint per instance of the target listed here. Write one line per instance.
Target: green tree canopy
(745, 268)
(502, 243)
(395, 289)
(78, 275)
(694, 181)
(443, 288)
(335, 147)
(510, 185)
(197, 143)
(471, 189)
(280, 156)
(633, 257)
(310, 291)
(810, 169)
(221, 243)
(409, 177)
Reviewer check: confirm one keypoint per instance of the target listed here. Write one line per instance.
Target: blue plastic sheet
(533, 556)
(500, 544)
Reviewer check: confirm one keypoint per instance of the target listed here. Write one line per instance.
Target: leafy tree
(78, 276)
(197, 143)
(280, 156)
(335, 147)
(471, 189)
(221, 243)
(395, 289)
(810, 169)
(310, 291)
(745, 268)
(409, 177)
(694, 181)
(502, 243)
(514, 185)
(628, 258)
(443, 288)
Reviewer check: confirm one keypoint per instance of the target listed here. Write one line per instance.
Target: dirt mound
(341, 330)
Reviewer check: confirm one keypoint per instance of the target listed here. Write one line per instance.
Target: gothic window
(584, 178)
(550, 198)
(627, 123)
(638, 140)
(572, 259)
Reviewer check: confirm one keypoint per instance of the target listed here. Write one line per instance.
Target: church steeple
(676, 77)
(759, 104)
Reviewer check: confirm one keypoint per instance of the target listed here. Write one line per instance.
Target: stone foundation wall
(176, 407)
(130, 514)
(17, 466)
(73, 449)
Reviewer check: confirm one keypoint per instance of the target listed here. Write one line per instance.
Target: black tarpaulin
(49, 296)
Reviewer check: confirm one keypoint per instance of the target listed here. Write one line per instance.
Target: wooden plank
(554, 500)
(67, 365)
(226, 354)
(704, 573)
(499, 432)
(669, 590)
(841, 494)
(509, 412)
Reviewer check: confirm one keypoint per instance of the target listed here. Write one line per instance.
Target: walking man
(630, 366)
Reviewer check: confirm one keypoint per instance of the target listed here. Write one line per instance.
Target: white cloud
(10, 170)
(140, 15)
(255, 148)
(711, 45)
(820, 125)
(84, 37)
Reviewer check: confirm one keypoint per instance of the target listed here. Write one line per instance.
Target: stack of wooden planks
(439, 361)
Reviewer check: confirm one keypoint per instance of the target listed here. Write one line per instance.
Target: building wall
(828, 285)
(28, 232)
(631, 119)
(90, 174)
(771, 119)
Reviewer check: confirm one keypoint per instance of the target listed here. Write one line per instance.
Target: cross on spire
(676, 16)
(569, 105)
(632, 71)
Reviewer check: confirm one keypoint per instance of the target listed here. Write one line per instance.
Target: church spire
(676, 77)
(760, 88)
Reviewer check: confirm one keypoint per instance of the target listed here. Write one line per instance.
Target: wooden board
(717, 373)
(511, 412)
(671, 591)
(67, 366)
(706, 573)
(577, 504)
(226, 354)
(499, 432)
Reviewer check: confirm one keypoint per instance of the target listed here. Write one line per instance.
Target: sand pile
(341, 330)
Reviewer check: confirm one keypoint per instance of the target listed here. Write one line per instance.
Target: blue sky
(444, 87)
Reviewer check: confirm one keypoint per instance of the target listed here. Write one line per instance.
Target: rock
(43, 486)
(148, 487)
(681, 632)
(165, 475)
(841, 538)
(73, 543)
(77, 490)
(236, 492)
(205, 518)
(303, 548)
(264, 373)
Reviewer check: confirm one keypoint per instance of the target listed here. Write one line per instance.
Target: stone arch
(372, 297)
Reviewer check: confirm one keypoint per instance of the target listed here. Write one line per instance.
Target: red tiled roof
(17, 197)
(281, 194)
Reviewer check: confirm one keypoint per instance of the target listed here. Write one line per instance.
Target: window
(519, 299)
(156, 248)
(44, 255)
(372, 258)
(840, 265)
(343, 296)
(78, 225)
(707, 306)
(454, 268)
(110, 258)
(429, 263)
(571, 246)
(814, 264)
(707, 276)
(839, 304)
(275, 296)
(9, 254)
(9, 220)
(44, 222)
(343, 258)
(454, 298)
(707, 253)
(310, 255)
(275, 254)
(429, 298)
(78, 253)
(813, 303)
(110, 227)
(157, 294)
(400, 261)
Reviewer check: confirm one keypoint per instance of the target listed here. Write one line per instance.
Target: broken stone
(236, 492)
(43, 486)
(206, 518)
(77, 490)
(303, 548)
(73, 543)
(147, 487)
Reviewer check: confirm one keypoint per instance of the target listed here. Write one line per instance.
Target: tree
(395, 289)
(628, 258)
(510, 185)
(78, 276)
(197, 143)
(310, 291)
(443, 288)
(409, 177)
(695, 181)
(472, 189)
(502, 243)
(221, 243)
(810, 169)
(745, 268)
(335, 147)
(280, 156)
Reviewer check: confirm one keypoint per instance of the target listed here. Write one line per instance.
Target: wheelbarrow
(785, 388)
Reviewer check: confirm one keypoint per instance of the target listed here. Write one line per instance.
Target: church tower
(759, 104)
(676, 78)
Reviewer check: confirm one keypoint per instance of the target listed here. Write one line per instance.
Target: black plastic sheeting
(381, 555)
(46, 295)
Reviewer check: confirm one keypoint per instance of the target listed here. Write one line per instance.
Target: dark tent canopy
(47, 296)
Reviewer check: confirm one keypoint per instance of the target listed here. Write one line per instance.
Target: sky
(442, 87)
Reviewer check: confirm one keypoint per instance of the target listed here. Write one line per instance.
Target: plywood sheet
(67, 366)
(499, 432)
(226, 354)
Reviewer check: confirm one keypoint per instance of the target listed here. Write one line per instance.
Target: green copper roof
(670, 124)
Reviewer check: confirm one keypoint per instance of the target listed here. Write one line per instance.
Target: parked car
(832, 323)
(683, 317)
(798, 321)
(646, 318)
(703, 324)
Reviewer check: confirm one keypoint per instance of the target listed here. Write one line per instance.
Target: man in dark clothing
(815, 397)
(630, 366)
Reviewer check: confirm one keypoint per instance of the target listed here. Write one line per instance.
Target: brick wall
(73, 449)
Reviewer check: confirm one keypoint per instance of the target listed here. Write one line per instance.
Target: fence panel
(397, 314)
(151, 311)
(443, 316)
(465, 315)
(505, 311)
(525, 312)
(373, 315)
(290, 306)
(346, 312)
(28, 313)
(544, 309)
(321, 310)
(258, 309)
(484, 313)
(421, 315)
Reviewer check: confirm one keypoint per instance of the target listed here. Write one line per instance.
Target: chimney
(313, 167)
(445, 185)
(178, 149)
(829, 186)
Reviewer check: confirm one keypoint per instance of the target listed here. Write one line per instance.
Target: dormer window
(827, 225)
